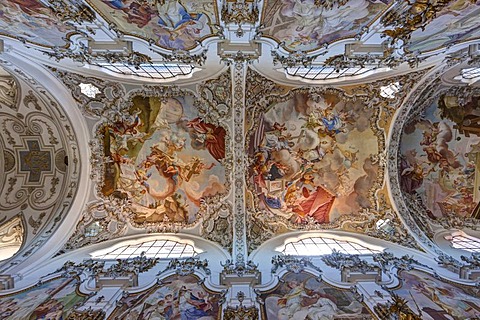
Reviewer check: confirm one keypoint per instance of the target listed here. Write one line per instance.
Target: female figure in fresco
(194, 304)
(179, 23)
(172, 14)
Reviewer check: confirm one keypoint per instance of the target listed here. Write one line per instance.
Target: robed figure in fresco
(440, 158)
(177, 298)
(165, 159)
(302, 296)
(309, 160)
(170, 23)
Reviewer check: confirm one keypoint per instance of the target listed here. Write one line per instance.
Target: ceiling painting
(55, 299)
(433, 298)
(32, 21)
(164, 159)
(301, 25)
(171, 24)
(456, 23)
(317, 159)
(176, 297)
(304, 296)
(311, 157)
(440, 153)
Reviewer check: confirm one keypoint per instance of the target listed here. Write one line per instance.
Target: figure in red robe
(212, 137)
(315, 204)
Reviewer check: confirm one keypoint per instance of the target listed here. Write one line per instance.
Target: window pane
(152, 249)
(467, 243)
(318, 246)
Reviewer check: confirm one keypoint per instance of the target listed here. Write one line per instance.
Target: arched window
(11, 237)
(317, 246)
(149, 70)
(461, 240)
(469, 75)
(163, 249)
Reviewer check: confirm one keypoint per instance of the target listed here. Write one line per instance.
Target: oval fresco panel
(311, 158)
(171, 24)
(458, 22)
(164, 159)
(32, 21)
(301, 25)
(440, 154)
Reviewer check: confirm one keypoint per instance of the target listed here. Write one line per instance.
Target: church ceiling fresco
(171, 24)
(301, 25)
(168, 159)
(311, 154)
(164, 159)
(34, 22)
(438, 166)
(54, 299)
(304, 296)
(317, 159)
(175, 297)
(458, 22)
(433, 298)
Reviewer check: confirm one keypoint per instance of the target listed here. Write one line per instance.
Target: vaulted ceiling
(238, 121)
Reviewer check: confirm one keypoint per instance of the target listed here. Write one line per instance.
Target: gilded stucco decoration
(87, 314)
(407, 17)
(240, 12)
(449, 22)
(39, 159)
(240, 312)
(396, 309)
